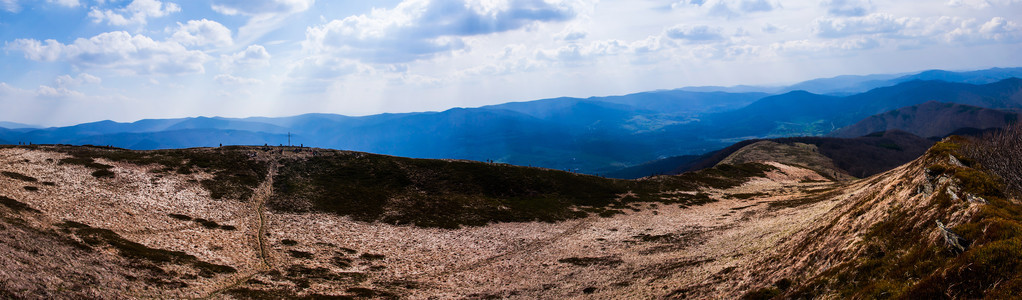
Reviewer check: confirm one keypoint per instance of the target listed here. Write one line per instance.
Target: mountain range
(594, 135)
(931, 119)
(853, 84)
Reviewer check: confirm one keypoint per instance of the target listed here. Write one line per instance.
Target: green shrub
(180, 217)
(369, 256)
(100, 237)
(300, 254)
(103, 174)
(762, 294)
(451, 194)
(19, 176)
(16, 205)
(592, 261)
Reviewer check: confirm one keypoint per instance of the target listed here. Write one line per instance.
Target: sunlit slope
(289, 222)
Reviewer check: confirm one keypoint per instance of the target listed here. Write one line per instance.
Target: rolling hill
(803, 113)
(930, 119)
(845, 85)
(835, 157)
(294, 222)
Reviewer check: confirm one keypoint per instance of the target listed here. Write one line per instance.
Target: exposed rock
(975, 199)
(954, 161)
(952, 192)
(953, 241)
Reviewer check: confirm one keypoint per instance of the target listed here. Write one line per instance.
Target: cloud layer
(250, 57)
(420, 29)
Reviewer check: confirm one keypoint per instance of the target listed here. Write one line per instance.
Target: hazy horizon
(75, 61)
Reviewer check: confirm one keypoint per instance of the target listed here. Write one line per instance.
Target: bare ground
(717, 250)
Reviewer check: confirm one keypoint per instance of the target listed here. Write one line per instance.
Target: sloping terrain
(942, 227)
(794, 154)
(930, 119)
(199, 222)
(289, 222)
(859, 157)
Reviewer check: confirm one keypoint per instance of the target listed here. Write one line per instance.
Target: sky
(72, 61)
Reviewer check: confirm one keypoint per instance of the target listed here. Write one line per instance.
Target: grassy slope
(235, 175)
(448, 194)
(427, 193)
(899, 258)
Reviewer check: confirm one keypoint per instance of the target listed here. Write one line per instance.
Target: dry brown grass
(1001, 153)
(734, 243)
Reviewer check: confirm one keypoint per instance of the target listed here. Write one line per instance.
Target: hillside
(289, 222)
(186, 223)
(942, 226)
(835, 157)
(930, 119)
(803, 113)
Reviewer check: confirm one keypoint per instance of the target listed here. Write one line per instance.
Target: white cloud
(848, 8)
(66, 81)
(981, 4)
(728, 8)
(823, 48)
(584, 52)
(260, 7)
(264, 15)
(756, 5)
(58, 92)
(202, 32)
(118, 50)
(65, 3)
(10, 5)
(695, 33)
(572, 33)
(421, 29)
(871, 24)
(136, 13)
(227, 79)
(48, 50)
(254, 55)
(1002, 30)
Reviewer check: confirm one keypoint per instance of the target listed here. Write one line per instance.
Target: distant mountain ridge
(804, 113)
(931, 119)
(853, 84)
(859, 157)
(594, 135)
(574, 134)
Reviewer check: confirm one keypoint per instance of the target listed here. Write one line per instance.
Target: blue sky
(73, 61)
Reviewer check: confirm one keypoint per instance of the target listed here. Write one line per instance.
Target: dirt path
(261, 195)
(259, 198)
